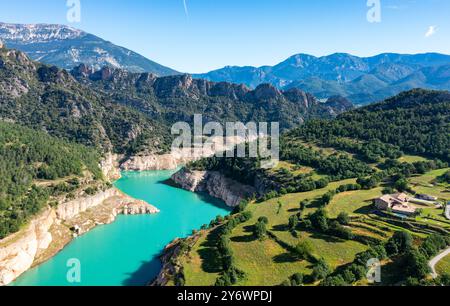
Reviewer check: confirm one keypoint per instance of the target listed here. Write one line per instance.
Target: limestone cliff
(215, 184)
(110, 166)
(180, 157)
(71, 209)
(154, 162)
(54, 228)
(18, 251)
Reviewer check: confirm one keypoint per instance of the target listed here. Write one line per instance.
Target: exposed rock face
(17, 252)
(215, 184)
(69, 210)
(153, 162)
(168, 268)
(180, 157)
(137, 208)
(110, 167)
(339, 104)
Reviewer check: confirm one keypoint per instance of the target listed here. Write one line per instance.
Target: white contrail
(185, 8)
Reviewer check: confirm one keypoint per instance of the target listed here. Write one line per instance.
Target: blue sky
(215, 33)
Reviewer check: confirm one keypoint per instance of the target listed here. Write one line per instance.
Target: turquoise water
(126, 251)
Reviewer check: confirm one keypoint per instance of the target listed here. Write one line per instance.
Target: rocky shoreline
(54, 228)
(215, 184)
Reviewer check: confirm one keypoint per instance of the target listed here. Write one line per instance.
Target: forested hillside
(27, 156)
(50, 99)
(178, 98)
(315, 220)
(416, 122)
(130, 112)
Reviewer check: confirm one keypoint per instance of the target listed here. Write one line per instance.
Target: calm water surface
(126, 252)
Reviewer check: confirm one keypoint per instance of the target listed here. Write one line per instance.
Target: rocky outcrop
(110, 166)
(17, 252)
(136, 207)
(154, 162)
(180, 157)
(107, 212)
(215, 184)
(171, 267)
(71, 209)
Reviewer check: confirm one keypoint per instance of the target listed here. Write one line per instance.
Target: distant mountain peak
(67, 47)
(38, 33)
(363, 80)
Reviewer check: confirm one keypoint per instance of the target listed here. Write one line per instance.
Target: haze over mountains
(361, 80)
(117, 110)
(67, 47)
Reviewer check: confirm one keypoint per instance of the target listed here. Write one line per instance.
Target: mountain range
(362, 80)
(178, 98)
(117, 110)
(67, 47)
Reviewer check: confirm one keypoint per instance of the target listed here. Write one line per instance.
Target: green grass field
(426, 184)
(411, 159)
(267, 262)
(200, 268)
(443, 267)
(353, 202)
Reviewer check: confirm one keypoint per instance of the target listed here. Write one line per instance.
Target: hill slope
(27, 156)
(416, 121)
(178, 98)
(50, 99)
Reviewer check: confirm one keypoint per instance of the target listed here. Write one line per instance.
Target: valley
(353, 184)
(309, 225)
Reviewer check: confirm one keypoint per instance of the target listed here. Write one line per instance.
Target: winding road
(437, 259)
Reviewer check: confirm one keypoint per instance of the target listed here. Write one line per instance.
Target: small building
(427, 197)
(397, 203)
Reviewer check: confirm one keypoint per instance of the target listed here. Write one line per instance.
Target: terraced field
(270, 262)
(443, 266)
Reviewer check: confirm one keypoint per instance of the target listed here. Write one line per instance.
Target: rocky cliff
(180, 157)
(154, 162)
(53, 229)
(17, 252)
(71, 209)
(215, 184)
(110, 167)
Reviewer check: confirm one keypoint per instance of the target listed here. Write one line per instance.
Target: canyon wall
(20, 251)
(215, 184)
(110, 166)
(154, 162)
(180, 157)
(71, 209)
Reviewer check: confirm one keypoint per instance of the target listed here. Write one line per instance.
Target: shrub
(343, 218)
(321, 270)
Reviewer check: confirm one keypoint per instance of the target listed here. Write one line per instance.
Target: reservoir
(126, 252)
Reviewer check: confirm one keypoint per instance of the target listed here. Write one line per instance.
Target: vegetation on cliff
(27, 157)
